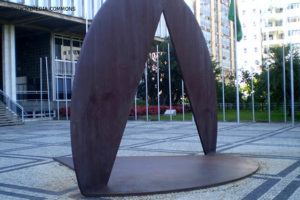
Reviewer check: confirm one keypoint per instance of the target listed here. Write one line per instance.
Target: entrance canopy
(20, 15)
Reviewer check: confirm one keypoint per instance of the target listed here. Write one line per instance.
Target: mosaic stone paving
(27, 170)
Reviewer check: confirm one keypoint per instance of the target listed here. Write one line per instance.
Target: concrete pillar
(9, 61)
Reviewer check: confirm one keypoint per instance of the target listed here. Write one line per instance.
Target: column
(9, 61)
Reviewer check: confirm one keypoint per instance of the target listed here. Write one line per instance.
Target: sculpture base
(162, 174)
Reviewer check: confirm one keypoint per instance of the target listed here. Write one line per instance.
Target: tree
(275, 61)
(276, 75)
(164, 75)
(230, 88)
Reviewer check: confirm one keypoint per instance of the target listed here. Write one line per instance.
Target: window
(244, 12)
(293, 19)
(279, 23)
(271, 37)
(256, 49)
(245, 50)
(294, 32)
(294, 6)
(281, 36)
(255, 37)
(66, 47)
(58, 47)
(64, 88)
(62, 49)
(269, 24)
(279, 10)
(76, 49)
(254, 10)
(257, 62)
(245, 37)
(69, 49)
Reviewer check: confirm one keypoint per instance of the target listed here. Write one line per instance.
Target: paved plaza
(27, 170)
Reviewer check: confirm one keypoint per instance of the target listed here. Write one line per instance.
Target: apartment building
(212, 16)
(249, 49)
(280, 23)
(266, 24)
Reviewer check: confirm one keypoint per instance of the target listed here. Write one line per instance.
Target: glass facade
(66, 51)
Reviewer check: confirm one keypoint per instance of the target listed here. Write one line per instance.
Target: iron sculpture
(108, 72)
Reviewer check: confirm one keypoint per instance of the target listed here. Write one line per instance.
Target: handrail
(67, 61)
(11, 104)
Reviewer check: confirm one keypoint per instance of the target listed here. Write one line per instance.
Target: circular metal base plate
(161, 174)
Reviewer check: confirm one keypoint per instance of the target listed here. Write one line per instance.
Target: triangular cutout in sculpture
(110, 66)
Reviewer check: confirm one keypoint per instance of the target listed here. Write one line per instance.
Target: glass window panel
(69, 88)
(60, 88)
(58, 48)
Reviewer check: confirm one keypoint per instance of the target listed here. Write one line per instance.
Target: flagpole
(66, 88)
(236, 66)
(268, 80)
(146, 83)
(223, 93)
(292, 85)
(41, 85)
(252, 94)
(135, 108)
(182, 90)
(284, 84)
(86, 17)
(170, 89)
(48, 88)
(158, 103)
(57, 92)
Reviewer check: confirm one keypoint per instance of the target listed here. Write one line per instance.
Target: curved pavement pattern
(27, 170)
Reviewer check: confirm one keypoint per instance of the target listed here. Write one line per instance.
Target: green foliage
(164, 75)
(229, 85)
(276, 77)
(260, 80)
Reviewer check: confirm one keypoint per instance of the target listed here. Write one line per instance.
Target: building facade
(212, 16)
(266, 24)
(280, 23)
(250, 47)
(41, 42)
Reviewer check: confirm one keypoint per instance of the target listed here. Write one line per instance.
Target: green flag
(231, 17)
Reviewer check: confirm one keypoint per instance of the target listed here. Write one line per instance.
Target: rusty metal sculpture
(107, 76)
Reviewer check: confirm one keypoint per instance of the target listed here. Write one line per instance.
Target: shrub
(153, 109)
(62, 111)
